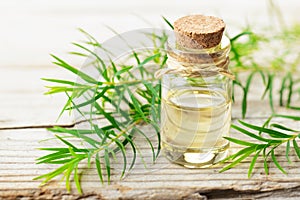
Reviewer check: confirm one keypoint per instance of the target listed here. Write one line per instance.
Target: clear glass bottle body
(196, 107)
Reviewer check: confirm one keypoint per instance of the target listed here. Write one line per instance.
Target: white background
(32, 29)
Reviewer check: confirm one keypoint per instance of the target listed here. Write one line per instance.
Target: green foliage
(119, 85)
(267, 141)
(269, 137)
(248, 47)
(99, 144)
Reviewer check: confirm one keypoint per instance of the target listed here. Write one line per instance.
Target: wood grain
(160, 181)
(32, 30)
(163, 180)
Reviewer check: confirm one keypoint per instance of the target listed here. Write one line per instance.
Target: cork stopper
(199, 31)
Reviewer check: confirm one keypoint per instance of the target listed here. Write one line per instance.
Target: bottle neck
(199, 62)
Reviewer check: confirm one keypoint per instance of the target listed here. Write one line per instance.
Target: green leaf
(59, 151)
(240, 142)
(152, 91)
(128, 139)
(244, 151)
(99, 131)
(287, 151)
(68, 173)
(122, 71)
(78, 54)
(90, 37)
(169, 23)
(293, 107)
(148, 141)
(272, 133)
(99, 169)
(164, 61)
(66, 142)
(123, 151)
(107, 164)
(266, 123)
(61, 161)
(94, 99)
(106, 136)
(296, 147)
(267, 87)
(237, 161)
(136, 57)
(66, 150)
(240, 35)
(77, 134)
(262, 76)
(137, 105)
(82, 75)
(276, 162)
(266, 167)
(252, 164)
(279, 126)
(249, 133)
(297, 118)
(58, 89)
(102, 71)
(72, 152)
(62, 81)
(77, 179)
(107, 115)
(281, 91)
(246, 91)
(68, 103)
(89, 156)
(290, 90)
(55, 172)
(53, 157)
(148, 59)
(271, 77)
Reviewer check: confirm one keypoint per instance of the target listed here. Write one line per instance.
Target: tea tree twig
(268, 140)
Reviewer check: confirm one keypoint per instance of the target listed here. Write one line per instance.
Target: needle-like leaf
(246, 91)
(169, 23)
(272, 133)
(65, 65)
(287, 151)
(276, 162)
(77, 179)
(107, 164)
(296, 147)
(98, 165)
(249, 133)
(253, 163)
(240, 142)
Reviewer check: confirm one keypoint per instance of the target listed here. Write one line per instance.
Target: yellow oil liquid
(193, 124)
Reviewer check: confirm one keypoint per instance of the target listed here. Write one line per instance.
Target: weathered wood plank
(161, 181)
(23, 105)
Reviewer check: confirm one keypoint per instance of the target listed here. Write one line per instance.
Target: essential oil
(194, 123)
(196, 94)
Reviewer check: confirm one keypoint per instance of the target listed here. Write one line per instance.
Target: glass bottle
(196, 104)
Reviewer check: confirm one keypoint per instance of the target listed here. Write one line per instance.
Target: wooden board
(160, 181)
(31, 30)
(163, 180)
